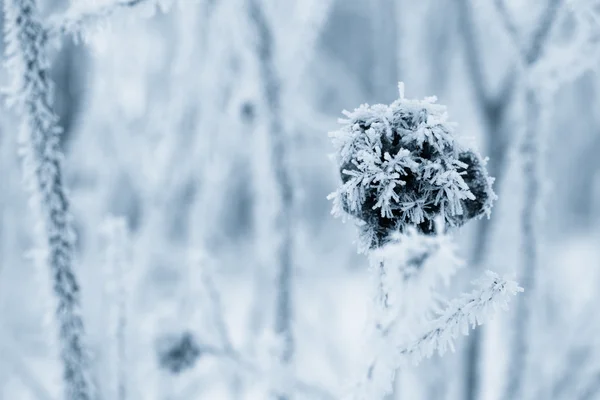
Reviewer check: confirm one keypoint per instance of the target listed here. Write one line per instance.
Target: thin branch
(492, 107)
(531, 53)
(474, 63)
(470, 309)
(75, 20)
(509, 25)
(282, 232)
(31, 94)
(541, 35)
(410, 268)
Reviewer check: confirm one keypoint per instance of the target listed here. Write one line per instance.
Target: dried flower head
(401, 166)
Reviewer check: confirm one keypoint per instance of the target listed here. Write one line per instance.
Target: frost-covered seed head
(401, 166)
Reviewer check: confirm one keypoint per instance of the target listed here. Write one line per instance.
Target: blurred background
(171, 119)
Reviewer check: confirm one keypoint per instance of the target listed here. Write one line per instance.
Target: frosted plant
(470, 309)
(32, 95)
(83, 19)
(407, 181)
(404, 274)
(26, 39)
(401, 165)
(395, 348)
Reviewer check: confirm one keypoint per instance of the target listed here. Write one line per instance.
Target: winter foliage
(165, 229)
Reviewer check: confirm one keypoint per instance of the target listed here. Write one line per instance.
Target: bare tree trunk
(282, 233)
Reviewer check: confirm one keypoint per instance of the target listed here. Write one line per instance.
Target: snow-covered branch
(31, 93)
(78, 18)
(470, 309)
(405, 273)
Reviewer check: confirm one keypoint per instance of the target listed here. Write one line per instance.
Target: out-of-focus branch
(473, 59)
(492, 107)
(509, 25)
(530, 54)
(282, 232)
(541, 35)
(493, 110)
(531, 154)
(76, 19)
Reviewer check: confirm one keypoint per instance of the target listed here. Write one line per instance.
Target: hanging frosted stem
(531, 163)
(32, 95)
(282, 231)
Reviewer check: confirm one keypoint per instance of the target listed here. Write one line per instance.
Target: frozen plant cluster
(409, 320)
(401, 165)
(406, 180)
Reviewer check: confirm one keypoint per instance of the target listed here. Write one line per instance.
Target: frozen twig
(31, 93)
(282, 232)
(77, 19)
(544, 28)
(438, 335)
(407, 272)
(509, 25)
(469, 310)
